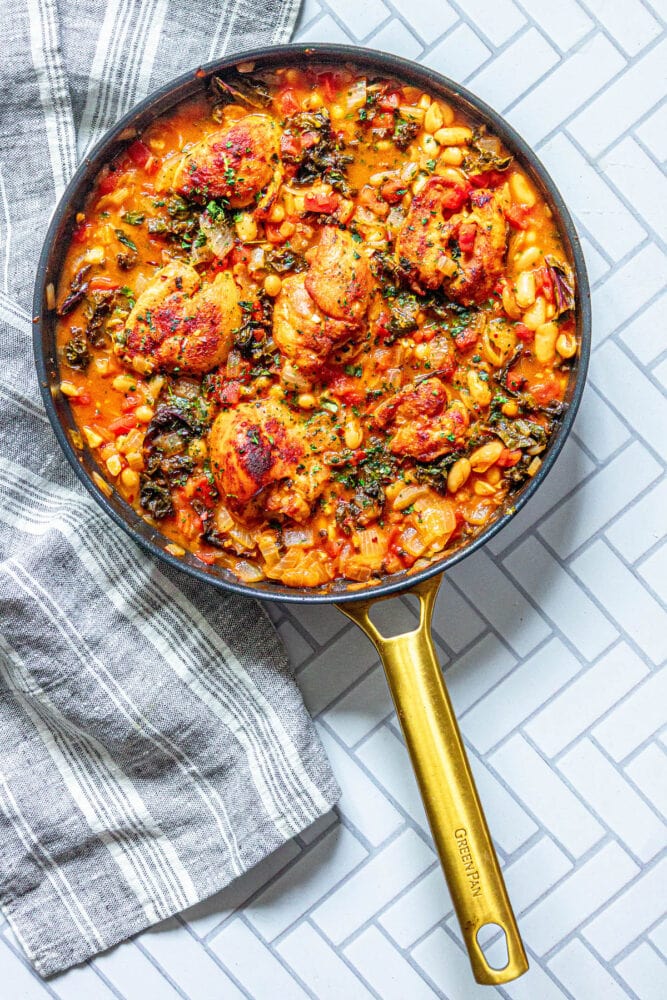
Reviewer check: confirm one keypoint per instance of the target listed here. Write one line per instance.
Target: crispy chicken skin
(265, 452)
(423, 426)
(339, 278)
(429, 242)
(180, 324)
(321, 310)
(235, 163)
(301, 331)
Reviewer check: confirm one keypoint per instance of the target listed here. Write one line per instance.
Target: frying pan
(432, 735)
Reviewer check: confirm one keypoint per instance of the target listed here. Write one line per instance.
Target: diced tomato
(508, 458)
(123, 424)
(544, 283)
(229, 394)
(240, 255)
(80, 234)
(139, 153)
(331, 84)
(467, 234)
(514, 383)
(109, 182)
(333, 546)
(129, 403)
(384, 120)
(456, 195)
(368, 197)
(279, 232)
(290, 145)
(326, 203)
(393, 190)
(207, 555)
(517, 216)
(287, 102)
(459, 518)
(545, 392)
(466, 339)
(489, 178)
(310, 139)
(102, 282)
(188, 520)
(204, 490)
(523, 332)
(389, 101)
(347, 389)
(83, 399)
(393, 538)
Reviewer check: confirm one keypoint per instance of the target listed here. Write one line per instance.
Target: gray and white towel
(153, 745)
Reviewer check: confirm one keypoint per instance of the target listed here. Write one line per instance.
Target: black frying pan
(457, 822)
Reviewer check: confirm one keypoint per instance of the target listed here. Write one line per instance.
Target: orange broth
(431, 404)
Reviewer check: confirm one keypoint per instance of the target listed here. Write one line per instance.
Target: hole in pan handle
(446, 784)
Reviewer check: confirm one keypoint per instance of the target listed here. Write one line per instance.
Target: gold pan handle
(446, 784)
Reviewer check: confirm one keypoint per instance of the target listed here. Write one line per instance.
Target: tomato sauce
(315, 326)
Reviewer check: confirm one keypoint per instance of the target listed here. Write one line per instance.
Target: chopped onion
(298, 537)
(356, 95)
(218, 232)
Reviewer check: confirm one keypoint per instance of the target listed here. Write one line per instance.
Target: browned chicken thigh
(422, 424)
(236, 163)
(262, 450)
(323, 309)
(464, 253)
(180, 323)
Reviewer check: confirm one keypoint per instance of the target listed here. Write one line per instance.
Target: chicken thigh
(180, 324)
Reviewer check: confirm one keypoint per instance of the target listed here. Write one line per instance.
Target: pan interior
(125, 131)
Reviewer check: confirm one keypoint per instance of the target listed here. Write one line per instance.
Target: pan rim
(169, 95)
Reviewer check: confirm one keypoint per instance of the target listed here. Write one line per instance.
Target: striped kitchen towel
(153, 744)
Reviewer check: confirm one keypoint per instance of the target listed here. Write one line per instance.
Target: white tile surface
(459, 54)
(519, 695)
(385, 969)
(632, 912)
(623, 293)
(623, 102)
(254, 966)
(577, 896)
(375, 885)
(521, 64)
(316, 963)
(635, 719)
(561, 598)
(560, 94)
(547, 796)
(587, 80)
(597, 206)
(645, 972)
(604, 495)
(627, 601)
(581, 973)
(583, 701)
(614, 800)
(301, 887)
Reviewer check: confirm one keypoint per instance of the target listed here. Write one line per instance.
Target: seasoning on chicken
(235, 163)
(422, 424)
(337, 375)
(180, 323)
(264, 444)
(462, 252)
(321, 310)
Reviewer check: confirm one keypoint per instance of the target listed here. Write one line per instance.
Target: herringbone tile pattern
(552, 637)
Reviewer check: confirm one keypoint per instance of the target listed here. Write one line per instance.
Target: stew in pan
(315, 325)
